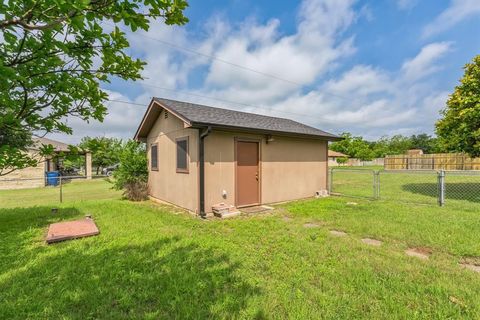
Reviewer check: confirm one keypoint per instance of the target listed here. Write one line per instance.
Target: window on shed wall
(154, 157)
(182, 155)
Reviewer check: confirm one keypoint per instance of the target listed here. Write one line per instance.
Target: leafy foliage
(105, 151)
(459, 129)
(54, 56)
(342, 160)
(132, 173)
(13, 145)
(426, 143)
(358, 147)
(352, 146)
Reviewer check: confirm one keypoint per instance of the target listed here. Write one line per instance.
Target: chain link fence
(51, 191)
(353, 182)
(414, 186)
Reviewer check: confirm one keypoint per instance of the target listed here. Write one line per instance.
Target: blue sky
(373, 68)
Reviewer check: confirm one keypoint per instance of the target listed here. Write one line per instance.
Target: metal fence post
(377, 184)
(441, 188)
(61, 190)
(330, 181)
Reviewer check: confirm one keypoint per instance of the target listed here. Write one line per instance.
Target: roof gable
(196, 115)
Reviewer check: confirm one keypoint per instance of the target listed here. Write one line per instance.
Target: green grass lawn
(72, 191)
(153, 261)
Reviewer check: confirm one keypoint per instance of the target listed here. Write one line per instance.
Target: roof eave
(264, 131)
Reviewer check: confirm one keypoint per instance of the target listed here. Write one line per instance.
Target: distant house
(200, 156)
(333, 156)
(414, 152)
(32, 177)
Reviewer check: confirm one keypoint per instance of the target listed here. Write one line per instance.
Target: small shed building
(200, 156)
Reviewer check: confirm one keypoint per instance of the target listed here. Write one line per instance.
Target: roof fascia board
(147, 113)
(261, 131)
(176, 114)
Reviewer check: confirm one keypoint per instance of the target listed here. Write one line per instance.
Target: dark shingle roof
(204, 115)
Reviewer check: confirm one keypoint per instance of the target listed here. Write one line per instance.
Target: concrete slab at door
(248, 174)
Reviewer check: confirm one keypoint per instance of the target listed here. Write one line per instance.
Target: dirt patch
(287, 219)
(472, 264)
(311, 225)
(372, 242)
(338, 233)
(470, 267)
(457, 301)
(256, 209)
(420, 252)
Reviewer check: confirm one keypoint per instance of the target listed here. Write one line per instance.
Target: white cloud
(121, 121)
(457, 11)
(360, 80)
(372, 101)
(364, 99)
(301, 57)
(424, 63)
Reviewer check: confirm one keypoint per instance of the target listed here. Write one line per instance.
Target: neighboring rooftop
(197, 115)
(336, 154)
(57, 145)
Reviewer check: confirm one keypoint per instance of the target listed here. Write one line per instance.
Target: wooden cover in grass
(68, 230)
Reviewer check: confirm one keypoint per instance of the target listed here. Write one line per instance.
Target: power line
(216, 99)
(221, 99)
(253, 106)
(233, 64)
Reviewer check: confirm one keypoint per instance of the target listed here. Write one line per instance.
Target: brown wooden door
(248, 175)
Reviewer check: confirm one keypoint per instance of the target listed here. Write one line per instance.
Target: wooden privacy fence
(437, 161)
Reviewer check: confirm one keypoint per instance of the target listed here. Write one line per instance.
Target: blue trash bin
(52, 178)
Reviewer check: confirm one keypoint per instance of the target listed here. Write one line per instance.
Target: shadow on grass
(89, 279)
(468, 191)
(19, 219)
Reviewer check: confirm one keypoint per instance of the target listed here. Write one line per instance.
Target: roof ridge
(233, 110)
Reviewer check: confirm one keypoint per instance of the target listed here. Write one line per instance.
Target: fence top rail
(352, 170)
(463, 172)
(59, 177)
(410, 171)
(452, 171)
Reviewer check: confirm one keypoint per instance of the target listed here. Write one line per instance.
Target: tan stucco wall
(31, 177)
(166, 184)
(291, 168)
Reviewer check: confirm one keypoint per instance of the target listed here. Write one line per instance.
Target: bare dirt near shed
(338, 233)
(420, 252)
(372, 242)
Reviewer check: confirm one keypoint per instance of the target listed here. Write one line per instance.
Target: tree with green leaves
(399, 144)
(355, 147)
(105, 151)
(459, 128)
(132, 174)
(425, 142)
(342, 160)
(55, 54)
